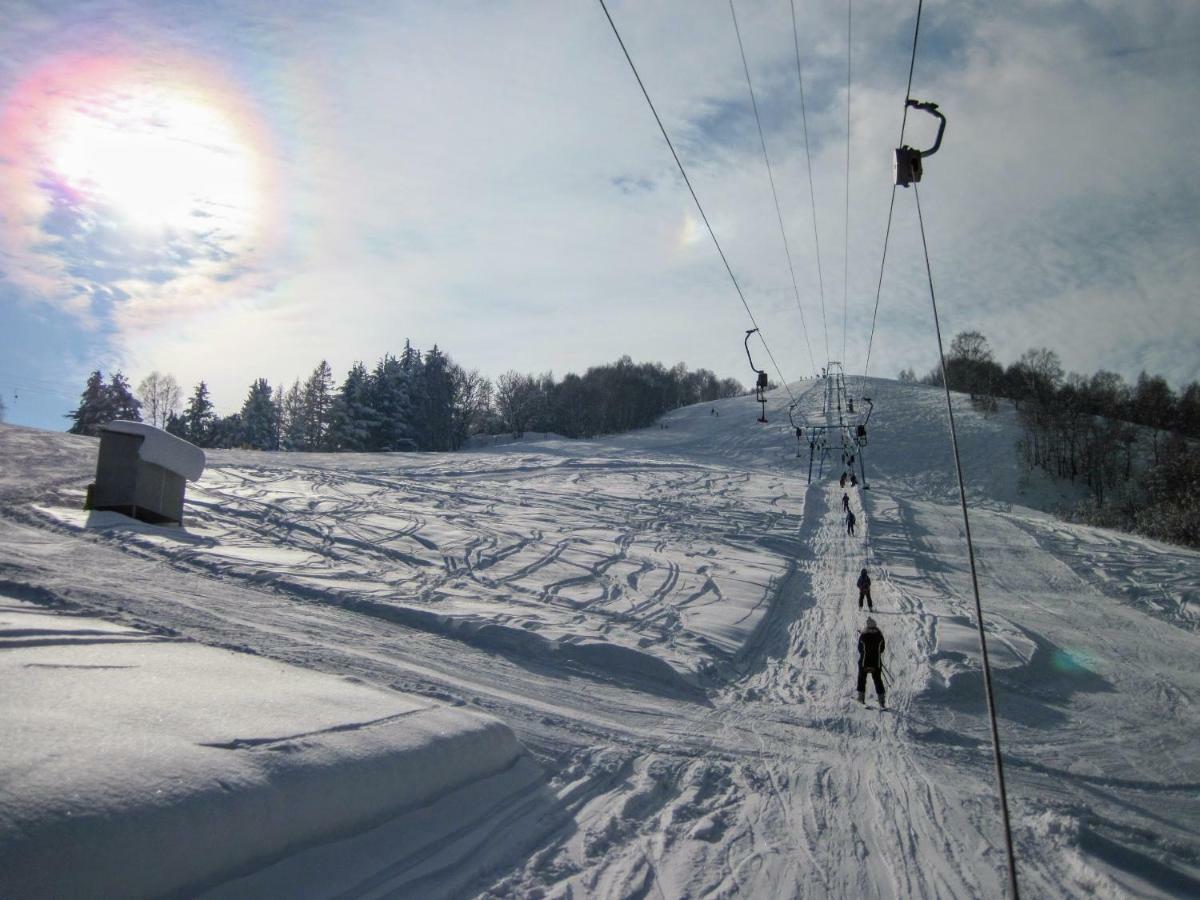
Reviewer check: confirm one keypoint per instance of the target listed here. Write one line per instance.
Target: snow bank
(172, 453)
(133, 764)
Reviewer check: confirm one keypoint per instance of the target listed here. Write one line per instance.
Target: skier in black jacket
(864, 589)
(870, 659)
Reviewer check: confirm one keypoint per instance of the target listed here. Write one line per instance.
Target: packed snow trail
(698, 547)
(823, 796)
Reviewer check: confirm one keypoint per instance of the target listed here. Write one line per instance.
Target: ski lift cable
(962, 496)
(771, 178)
(846, 244)
(812, 194)
(912, 64)
(687, 181)
(879, 287)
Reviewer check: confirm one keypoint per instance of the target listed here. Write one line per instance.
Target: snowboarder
(864, 590)
(846, 502)
(842, 480)
(850, 520)
(853, 480)
(870, 659)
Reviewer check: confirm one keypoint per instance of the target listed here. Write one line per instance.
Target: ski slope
(666, 621)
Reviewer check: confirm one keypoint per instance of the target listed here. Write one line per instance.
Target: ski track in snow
(667, 621)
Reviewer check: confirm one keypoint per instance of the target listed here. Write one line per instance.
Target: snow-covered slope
(666, 619)
(148, 766)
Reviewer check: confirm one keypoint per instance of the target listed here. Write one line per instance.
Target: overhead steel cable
(737, 287)
(771, 178)
(846, 246)
(912, 64)
(812, 194)
(962, 496)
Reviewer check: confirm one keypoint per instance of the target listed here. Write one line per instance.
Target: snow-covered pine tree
(122, 403)
(389, 397)
(292, 422)
(437, 402)
(260, 429)
(199, 418)
(410, 357)
(277, 403)
(94, 407)
(318, 405)
(353, 418)
(175, 425)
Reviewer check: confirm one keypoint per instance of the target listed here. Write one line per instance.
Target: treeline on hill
(414, 401)
(1133, 446)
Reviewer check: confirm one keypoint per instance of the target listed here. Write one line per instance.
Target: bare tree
(970, 345)
(516, 397)
(159, 394)
(472, 399)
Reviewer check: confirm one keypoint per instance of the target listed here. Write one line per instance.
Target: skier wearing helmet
(870, 659)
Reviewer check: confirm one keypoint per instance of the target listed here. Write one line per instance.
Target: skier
(850, 520)
(845, 502)
(864, 590)
(870, 659)
(853, 480)
(842, 480)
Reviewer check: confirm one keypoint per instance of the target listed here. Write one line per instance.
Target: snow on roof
(172, 453)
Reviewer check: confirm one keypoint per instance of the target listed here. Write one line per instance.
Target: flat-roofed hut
(142, 472)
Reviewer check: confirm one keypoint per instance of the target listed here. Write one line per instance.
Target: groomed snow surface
(612, 668)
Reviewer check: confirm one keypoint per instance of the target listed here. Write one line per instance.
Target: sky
(233, 190)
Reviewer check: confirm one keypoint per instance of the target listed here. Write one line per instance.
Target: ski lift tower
(844, 426)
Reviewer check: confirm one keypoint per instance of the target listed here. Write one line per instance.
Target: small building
(142, 472)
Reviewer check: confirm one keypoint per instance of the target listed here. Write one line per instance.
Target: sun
(158, 157)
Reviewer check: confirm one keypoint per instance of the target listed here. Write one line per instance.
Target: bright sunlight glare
(160, 157)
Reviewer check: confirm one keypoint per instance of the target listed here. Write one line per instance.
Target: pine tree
(436, 397)
(198, 417)
(352, 417)
(292, 422)
(410, 357)
(389, 398)
(94, 407)
(175, 425)
(260, 429)
(122, 403)
(318, 405)
(277, 405)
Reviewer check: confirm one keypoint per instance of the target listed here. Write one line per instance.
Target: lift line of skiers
(871, 643)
